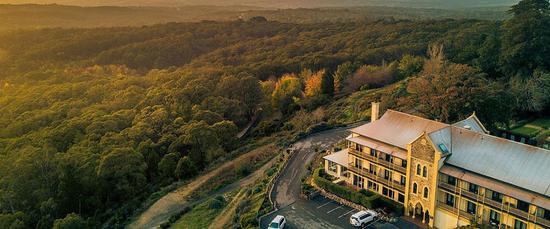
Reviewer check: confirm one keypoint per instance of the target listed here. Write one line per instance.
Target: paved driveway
(319, 213)
(287, 188)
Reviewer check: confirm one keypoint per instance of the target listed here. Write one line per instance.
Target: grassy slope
(199, 217)
(174, 202)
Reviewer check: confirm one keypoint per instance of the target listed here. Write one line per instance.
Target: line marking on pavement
(334, 209)
(370, 223)
(324, 204)
(350, 211)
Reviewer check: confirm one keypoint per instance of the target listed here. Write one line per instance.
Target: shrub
(383, 202)
(344, 192)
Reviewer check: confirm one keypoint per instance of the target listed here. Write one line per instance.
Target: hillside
(97, 120)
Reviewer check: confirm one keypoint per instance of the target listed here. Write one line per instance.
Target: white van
(278, 223)
(361, 218)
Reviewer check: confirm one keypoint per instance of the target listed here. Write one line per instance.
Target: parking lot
(321, 213)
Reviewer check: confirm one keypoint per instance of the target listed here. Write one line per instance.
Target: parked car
(361, 218)
(278, 223)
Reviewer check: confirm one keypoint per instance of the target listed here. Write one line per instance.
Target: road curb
(273, 181)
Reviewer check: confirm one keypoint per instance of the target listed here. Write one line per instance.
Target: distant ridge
(442, 4)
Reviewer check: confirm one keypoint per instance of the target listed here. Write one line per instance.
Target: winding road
(286, 189)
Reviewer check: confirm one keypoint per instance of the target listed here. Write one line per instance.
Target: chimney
(375, 111)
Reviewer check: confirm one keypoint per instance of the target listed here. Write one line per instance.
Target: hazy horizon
(446, 4)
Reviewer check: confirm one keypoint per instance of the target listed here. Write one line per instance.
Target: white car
(361, 218)
(278, 223)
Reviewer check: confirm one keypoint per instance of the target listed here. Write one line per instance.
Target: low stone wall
(337, 198)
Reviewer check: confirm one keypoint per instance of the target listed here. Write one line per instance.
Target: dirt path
(224, 219)
(175, 201)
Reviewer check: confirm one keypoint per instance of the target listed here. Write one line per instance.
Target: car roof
(358, 214)
(278, 218)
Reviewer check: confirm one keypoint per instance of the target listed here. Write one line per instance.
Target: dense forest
(92, 118)
(46, 16)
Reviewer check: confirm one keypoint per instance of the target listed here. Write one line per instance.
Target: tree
(343, 71)
(71, 221)
(526, 38)
(168, 164)
(201, 138)
(226, 132)
(410, 65)
(123, 172)
(243, 88)
(312, 83)
(532, 94)
(287, 89)
(185, 168)
(448, 92)
(327, 84)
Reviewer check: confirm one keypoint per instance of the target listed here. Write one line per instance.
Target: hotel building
(447, 175)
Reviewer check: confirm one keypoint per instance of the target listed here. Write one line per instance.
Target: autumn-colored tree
(313, 83)
(287, 89)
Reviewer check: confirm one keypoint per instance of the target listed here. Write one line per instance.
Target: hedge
(393, 206)
(364, 197)
(345, 192)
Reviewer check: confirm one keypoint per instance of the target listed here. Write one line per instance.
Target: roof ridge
(416, 116)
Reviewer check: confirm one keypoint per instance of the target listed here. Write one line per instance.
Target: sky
(278, 3)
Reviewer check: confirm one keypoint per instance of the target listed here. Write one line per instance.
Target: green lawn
(201, 215)
(541, 122)
(525, 131)
(532, 129)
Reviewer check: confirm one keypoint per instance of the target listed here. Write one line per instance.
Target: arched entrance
(418, 212)
(427, 217)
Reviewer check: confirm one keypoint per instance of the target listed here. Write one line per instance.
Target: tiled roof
(397, 128)
(392, 150)
(473, 150)
(498, 158)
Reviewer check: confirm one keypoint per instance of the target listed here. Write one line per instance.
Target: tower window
(426, 192)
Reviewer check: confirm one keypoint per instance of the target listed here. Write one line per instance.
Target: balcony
(379, 161)
(542, 221)
(517, 212)
(379, 179)
(489, 202)
(455, 210)
(449, 187)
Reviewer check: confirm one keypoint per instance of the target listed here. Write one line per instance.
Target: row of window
(495, 196)
(423, 172)
(375, 153)
(373, 169)
(426, 192)
(358, 181)
(494, 216)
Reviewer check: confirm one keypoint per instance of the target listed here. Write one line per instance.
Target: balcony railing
(455, 210)
(377, 178)
(379, 161)
(541, 221)
(492, 203)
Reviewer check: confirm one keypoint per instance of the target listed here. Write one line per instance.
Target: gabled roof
(397, 128)
(472, 123)
(498, 158)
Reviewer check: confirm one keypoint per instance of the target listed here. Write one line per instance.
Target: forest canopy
(93, 117)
